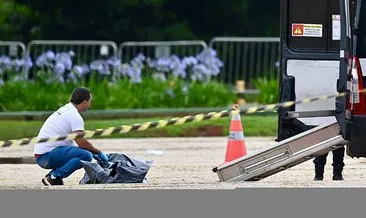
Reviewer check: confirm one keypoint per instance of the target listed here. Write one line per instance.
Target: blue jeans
(64, 160)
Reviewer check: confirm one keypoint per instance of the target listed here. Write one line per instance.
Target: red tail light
(356, 99)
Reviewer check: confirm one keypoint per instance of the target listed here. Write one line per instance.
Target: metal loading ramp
(283, 155)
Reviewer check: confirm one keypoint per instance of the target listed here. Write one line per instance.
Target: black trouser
(338, 156)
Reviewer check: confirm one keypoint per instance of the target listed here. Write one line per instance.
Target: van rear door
(352, 109)
(345, 58)
(310, 40)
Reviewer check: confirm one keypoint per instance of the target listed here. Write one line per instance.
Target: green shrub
(150, 93)
(269, 90)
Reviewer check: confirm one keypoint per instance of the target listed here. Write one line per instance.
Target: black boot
(319, 173)
(337, 172)
(338, 164)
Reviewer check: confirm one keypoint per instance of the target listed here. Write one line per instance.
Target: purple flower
(17, 64)
(135, 74)
(86, 68)
(114, 62)
(59, 68)
(180, 71)
(124, 69)
(5, 63)
(133, 69)
(80, 70)
(44, 61)
(174, 62)
(166, 64)
(14, 66)
(189, 61)
(100, 66)
(65, 59)
(41, 61)
(201, 69)
(50, 55)
(200, 72)
(138, 61)
(210, 61)
(96, 65)
(162, 65)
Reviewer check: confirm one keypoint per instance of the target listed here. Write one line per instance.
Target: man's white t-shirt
(62, 122)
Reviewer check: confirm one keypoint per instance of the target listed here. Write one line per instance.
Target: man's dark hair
(79, 95)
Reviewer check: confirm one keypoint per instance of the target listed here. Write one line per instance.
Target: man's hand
(96, 157)
(103, 156)
(102, 159)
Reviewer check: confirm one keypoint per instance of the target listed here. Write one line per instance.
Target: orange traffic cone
(236, 145)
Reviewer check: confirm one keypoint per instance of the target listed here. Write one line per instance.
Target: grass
(253, 126)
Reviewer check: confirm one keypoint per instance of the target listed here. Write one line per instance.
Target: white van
(323, 51)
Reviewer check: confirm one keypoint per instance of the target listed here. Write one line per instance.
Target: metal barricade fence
(156, 49)
(12, 49)
(84, 51)
(12, 54)
(246, 58)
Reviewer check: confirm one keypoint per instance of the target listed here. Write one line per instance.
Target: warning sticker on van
(307, 30)
(336, 27)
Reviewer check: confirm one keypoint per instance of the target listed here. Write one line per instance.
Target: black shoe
(318, 178)
(338, 177)
(48, 181)
(337, 172)
(319, 172)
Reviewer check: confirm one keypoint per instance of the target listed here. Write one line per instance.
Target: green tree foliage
(123, 20)
(17, 21)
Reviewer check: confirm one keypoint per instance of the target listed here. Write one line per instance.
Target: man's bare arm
(85, 144)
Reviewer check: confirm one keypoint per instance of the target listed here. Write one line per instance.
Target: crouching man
(63, 157)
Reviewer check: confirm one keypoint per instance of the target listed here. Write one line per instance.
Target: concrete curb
(17, 160)
(121, 113)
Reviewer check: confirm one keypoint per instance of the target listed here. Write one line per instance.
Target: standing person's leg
(338, 164)
(63, 161)
(320, 162)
